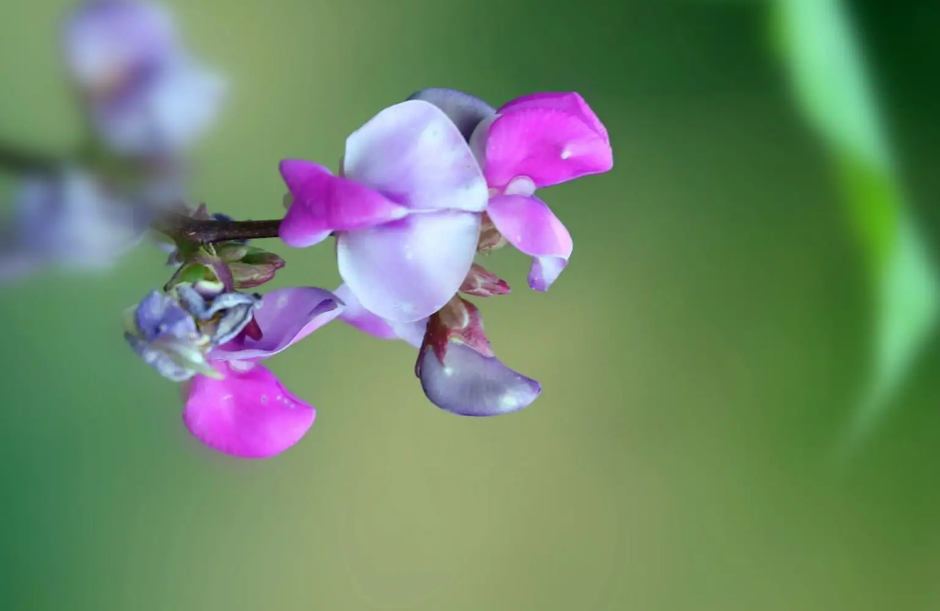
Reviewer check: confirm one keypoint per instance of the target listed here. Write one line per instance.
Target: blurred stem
(15, 159)
(198, 231)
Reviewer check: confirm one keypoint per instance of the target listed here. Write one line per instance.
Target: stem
(209, 231)
(16, 160)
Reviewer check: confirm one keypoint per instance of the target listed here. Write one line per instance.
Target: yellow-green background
(700, 355)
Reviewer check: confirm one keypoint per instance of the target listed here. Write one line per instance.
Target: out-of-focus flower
(72, 220)
(145, 95)
(406, 210)
(458, 370)
(233, 404)
(532, 142)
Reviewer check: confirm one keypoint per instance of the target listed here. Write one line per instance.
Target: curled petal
(470, 384)
(465, 110)
(323, 203)
(529, 225)
(407, 270)
(159, 360)
(415, 155)
(569, 102)
(248, 413)
(285, 317)
(545, 143)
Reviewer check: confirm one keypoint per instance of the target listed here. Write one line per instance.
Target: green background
(700, 356)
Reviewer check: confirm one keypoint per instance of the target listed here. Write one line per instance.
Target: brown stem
(16, 160)
(187, 229)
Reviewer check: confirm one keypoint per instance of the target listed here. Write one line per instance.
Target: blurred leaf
(826, 67)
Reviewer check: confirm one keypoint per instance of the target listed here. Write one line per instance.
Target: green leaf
(831, 87)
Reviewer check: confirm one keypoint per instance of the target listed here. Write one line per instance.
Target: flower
(233, 404)
(458, 370)
(73, 220)
(144, 94)
(532, 142)
(405, 211)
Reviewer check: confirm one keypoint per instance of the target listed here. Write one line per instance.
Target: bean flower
(233, 404)
(406, 210)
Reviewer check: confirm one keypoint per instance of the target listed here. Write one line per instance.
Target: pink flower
(532, 142)
(246, 411)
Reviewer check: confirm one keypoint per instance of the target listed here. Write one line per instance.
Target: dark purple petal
(470, 384)
(465, 110)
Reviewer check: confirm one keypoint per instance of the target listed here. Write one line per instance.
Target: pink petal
(470, 384)
(570, 102)
(406, 270)
(324, 203)
(286, 316)
(413, 154)
(529, 225)
(546, 144)
(248, 414)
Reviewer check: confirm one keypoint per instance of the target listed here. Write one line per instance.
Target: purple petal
(324, 203)
(357, 316)
(160, 315)
(465, 110)
(248, 413)
(166, 112)
(407, 270)
(105, 40)
(529, 225)
(546, 144)
(414, 154)
(470, 384)
(569, 102)
(286, 316)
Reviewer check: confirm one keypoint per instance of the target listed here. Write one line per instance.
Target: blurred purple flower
(532, 142)
(405, 211)
(71, 220)
(456, 366)
(233, 404)
(145, 95)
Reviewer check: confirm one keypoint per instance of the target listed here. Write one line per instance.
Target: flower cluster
(423, 187)
(146, 101)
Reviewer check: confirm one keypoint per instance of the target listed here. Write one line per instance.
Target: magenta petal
(570, 102)
(545, 144)
(415, 155)
(357, 316)
(324, 203)
(529, 225)
(248, 414)
(286, 316)
(407, 270)
(470, 384)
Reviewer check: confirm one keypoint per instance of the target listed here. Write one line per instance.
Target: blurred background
(703, 356)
